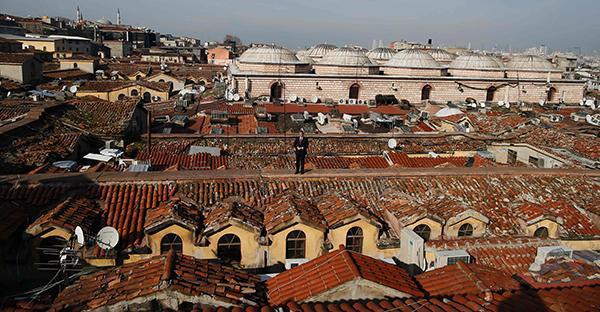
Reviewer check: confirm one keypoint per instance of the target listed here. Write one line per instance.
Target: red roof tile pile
(462, 279)
(190, 278)
(101, 117)
(563, 272)
(511, 255)
(404, 161)
(281, 210)
(70, 213)
(233, 208)
(334, 269)
(174, 211)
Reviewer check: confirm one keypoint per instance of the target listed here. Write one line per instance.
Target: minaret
(118, 17)
(79, 17)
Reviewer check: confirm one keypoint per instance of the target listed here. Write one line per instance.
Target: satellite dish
(542, 102)
(73, 89)
(320, 118)
(293, 97)
(236, 97)
(80, 236)
(392, 143)
(315, 99)
(202, 89)
(107, 238)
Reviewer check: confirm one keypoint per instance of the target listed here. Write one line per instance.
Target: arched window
(541, 232)
(147, 97)
(121, 97)
(426, 93)
(138, 77)
(354, 239)
(491, 91)
(161, 80)
(134, 92)
(354, 88)
(229, 248)
(74, 65)
(551, 94)
(276, 90)
(171, 241)
(465, 230)
(295, 245)
(423, 230)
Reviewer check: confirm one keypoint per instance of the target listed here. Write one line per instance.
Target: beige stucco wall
(114, 95)
(177, 84)
(451, 231)
(358, 288)
(524, 151)
(436, 227)
(12, 72)
(314, 243)
(337, 237)
(84, 65)
(187, 238)
(552, 226)
(252, 252)
(48, 46)
(591, 244)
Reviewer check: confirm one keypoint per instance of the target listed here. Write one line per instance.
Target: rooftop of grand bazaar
(144, 171)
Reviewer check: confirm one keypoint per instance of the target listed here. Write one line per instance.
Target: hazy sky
(560, 24)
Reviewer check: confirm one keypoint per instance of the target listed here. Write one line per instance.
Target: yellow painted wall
(48, 46)
(478, 228)
(60, 232)
(114, 95)
(187, 238)
(337, 237)
(551, 225)
(592, 244)
(314, 243)
(252, 252)
(436, 227)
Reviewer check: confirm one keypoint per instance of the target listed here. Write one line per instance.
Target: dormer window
(465, 230)
(541, 232)
(423, 230)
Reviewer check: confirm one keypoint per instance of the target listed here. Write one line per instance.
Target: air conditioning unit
(449, 257)
(352, 101)
(292, 263)
(341, 101)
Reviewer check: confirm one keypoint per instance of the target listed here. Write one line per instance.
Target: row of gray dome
(325, 54)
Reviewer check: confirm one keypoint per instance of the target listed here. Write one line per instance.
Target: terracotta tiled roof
(462, 278)
(402, 160)
(68, 74)
(563, 272)
(14, 58)
(575, 223)
(101, 117)
(188, 277)
(174, 210)
(510, 255)
(283, 209)
(70, 213)
(200, 161)
(230, 209)
(339, 209)
(332, 270)
(109, 85)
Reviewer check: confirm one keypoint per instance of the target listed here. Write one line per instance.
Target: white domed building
(531, 66)
(317, 52)
(303, 56)
(477, 65)
(413, 62)
(271, 59)
(442, 56)
(381, 55)
(346, 61)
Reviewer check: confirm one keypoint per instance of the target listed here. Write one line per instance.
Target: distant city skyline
(558, 24)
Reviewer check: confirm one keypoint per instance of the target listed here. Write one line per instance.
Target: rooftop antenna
(107, 238)
(118, 17)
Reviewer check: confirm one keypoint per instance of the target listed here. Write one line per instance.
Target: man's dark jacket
(303, 143)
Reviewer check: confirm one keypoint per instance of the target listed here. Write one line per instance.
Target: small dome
(346, 57)
(529, 63)
(412, 58)
(381, 54)
(320, 50)
(302, 55)
(476, 61)
(104, 21)
(442, 56)
(269, 55)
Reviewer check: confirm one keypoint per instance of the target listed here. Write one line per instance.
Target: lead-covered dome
(320, 50)
(412, 58)
(442, 56)
(529, 63)
(476, 61)
(302, 55)
(381, 54)
(346, 57)
(269, 55)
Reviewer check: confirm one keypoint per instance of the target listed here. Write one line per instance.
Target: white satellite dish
(80, 236)
(315, 99)
(581, 103)
(107, 238)
(542, 102)
(320, 118)
(392, 143)
(201, 89)
(293, 97)
(236, 97)
(73, 89)
(229, 97)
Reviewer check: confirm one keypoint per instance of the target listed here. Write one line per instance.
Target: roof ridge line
(351, 262)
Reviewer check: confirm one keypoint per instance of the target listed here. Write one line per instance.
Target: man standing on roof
(300, 147)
